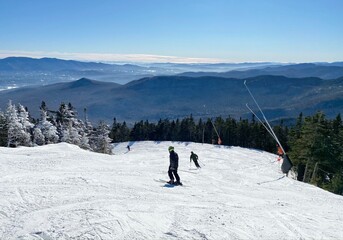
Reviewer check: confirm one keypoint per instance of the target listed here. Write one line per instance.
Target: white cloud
(108, 57)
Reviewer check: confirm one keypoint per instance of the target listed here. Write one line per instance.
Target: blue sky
(174, 30)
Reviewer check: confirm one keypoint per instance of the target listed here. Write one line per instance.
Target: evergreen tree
(114, 133)
(187, 128)
(218, 128)
(243, 133)
(3, 130)
(18, 126)
(137, 133)
(124, 133)
(70, 128)
(175, 130)
(99, 140)
(86, 131)
(200, 131)
(313, 149)
(26, 126)
(231, 132)
(48, 130)
(38, 137)
(336, 182)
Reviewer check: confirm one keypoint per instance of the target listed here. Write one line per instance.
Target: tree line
(316, 148)
(17, 128)
(314, 143)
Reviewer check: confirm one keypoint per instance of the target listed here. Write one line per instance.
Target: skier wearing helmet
(174, 163)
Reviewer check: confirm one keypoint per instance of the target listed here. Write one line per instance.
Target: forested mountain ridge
(44, 64)
(176, 96)
(24, 71)
(325, 71)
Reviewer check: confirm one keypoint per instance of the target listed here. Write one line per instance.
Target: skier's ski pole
(201, 162)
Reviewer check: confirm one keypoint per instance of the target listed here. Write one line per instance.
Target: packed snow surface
(63, 192)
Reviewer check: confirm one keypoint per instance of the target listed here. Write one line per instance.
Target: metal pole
(264, 117)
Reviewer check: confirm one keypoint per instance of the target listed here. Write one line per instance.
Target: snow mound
(63, 192)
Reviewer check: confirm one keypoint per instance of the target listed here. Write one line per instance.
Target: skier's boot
(171, 182)
(178, 183)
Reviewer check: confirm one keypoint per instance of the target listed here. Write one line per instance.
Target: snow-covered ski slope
(62, 192)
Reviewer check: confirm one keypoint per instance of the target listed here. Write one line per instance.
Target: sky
(174, 30)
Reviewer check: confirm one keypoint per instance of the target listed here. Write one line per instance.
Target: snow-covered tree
(3, 129)
(70, 135)
(100, 141)
(48, 130)
(19, 127)
(38, 137)
(84, 131)
(72, 130)
(27, 126)
(23, 116)
(68, 124)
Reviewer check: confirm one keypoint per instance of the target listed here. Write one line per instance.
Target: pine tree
(18, 134)
(70, 128)
(218, 128)
(336, 182)
(3, 130)
(313, 149)
(175, 130)
(114, 133)
(48, 130)
(243, 133)
(100, 141)
(86, 130)
(187, 129)
(38, 137)
(231, 132)
(137, 132)
(200, 131)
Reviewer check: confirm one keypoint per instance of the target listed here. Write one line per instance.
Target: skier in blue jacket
(174, 164)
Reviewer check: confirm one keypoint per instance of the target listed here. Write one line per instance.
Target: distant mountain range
(179, 96)
(324, 71)
(23, 71)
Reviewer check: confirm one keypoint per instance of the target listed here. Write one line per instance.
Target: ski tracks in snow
(283, 221)
(82, 195)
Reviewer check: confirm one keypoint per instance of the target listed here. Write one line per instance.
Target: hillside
(62, 192)
(176, 97)
(23, 71)
(303, 70)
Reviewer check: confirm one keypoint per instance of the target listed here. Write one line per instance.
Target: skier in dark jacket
(174, 164)
(194, 157)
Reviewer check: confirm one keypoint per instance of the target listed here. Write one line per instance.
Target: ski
(166, 183)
